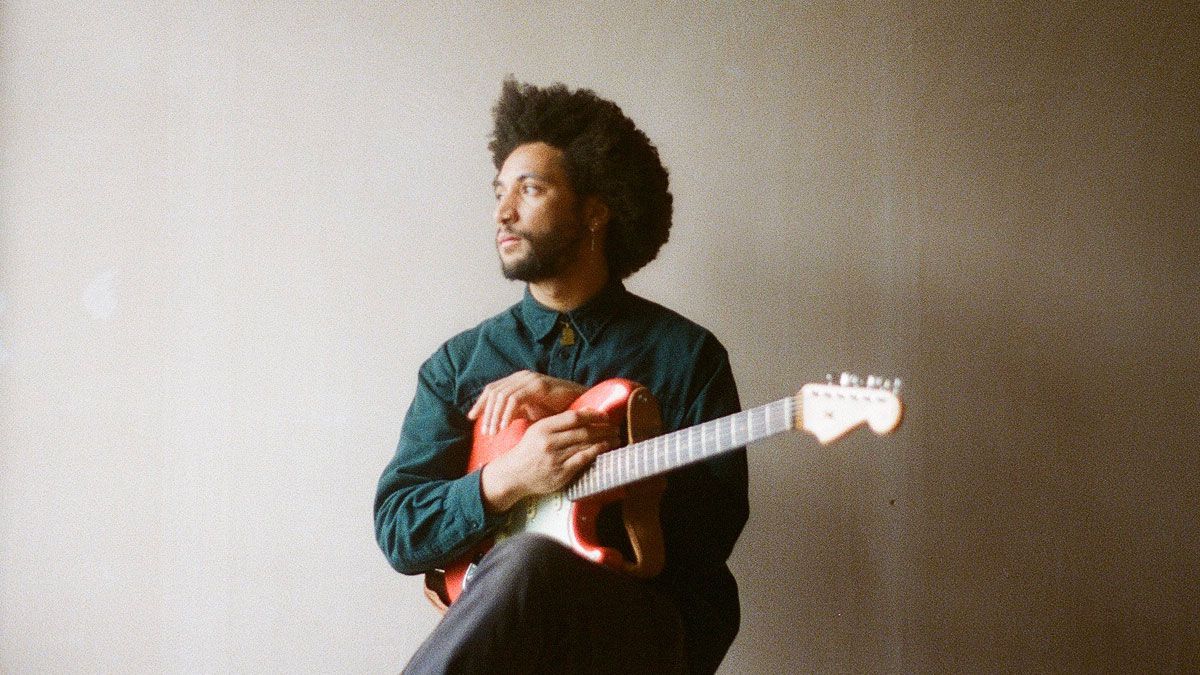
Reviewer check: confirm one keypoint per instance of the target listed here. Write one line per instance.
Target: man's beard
(548, 255)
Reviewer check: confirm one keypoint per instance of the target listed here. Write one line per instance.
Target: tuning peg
(892, 385)
(828, 378)
(874, 381)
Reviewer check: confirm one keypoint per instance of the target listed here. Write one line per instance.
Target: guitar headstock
(832, 410)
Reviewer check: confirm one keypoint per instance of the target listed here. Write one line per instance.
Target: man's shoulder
(673, 324)
(467, 340)
(505, 320)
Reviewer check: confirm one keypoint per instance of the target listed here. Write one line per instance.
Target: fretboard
(661, 454)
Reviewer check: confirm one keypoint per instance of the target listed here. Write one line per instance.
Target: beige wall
(230, 232)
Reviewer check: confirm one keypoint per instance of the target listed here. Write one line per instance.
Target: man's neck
(569, 291)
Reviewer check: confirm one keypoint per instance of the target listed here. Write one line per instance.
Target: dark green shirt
(427, 512)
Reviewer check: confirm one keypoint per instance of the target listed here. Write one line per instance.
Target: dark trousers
(533, 606)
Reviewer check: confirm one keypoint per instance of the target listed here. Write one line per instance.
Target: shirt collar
(588, 320)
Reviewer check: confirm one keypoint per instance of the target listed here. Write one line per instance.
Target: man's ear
(596, 214)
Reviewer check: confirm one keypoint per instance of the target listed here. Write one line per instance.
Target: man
(582, 202)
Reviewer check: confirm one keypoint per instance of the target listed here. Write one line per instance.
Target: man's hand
(523, 394)
(552, 451)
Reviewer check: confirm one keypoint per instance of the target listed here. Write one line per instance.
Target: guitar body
(573, 523)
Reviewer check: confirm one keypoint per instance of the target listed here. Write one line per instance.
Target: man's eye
(530, 189)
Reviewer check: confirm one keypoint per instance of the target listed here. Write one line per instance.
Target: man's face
(539, 224)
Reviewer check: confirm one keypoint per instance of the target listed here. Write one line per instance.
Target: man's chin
(522, 269)
(521, 275)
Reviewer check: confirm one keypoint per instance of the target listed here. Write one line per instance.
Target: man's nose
(506, 211)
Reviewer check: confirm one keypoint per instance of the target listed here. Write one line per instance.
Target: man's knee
(530, 563)
(527, 551)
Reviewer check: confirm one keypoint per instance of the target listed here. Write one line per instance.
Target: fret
(661, 454)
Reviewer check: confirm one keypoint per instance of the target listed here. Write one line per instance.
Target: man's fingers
(572, 419)
(584, 457)
(476, 409)
(497, 394)
(506, 415)
(496, 410)
(594, 433)
(497, 402)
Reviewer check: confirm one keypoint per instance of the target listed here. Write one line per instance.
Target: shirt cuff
(466, 495)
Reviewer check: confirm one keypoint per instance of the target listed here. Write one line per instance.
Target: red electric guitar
(634, 472)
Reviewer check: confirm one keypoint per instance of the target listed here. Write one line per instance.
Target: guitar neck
(661, 454)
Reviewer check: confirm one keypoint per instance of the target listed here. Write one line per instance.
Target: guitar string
(621, 466)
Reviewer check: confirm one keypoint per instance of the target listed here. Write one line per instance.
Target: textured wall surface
(230, 232)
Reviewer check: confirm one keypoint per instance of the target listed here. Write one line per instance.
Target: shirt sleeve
(707, 503)
(427, 512)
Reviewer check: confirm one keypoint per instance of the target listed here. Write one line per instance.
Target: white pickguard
(549, 515)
